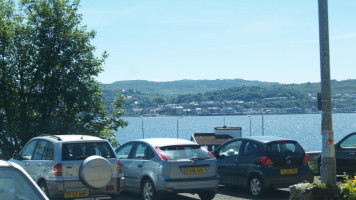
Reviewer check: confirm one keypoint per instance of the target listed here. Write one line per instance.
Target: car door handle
(26, 164)
(236, 162)
(140, 165)
(39, 164)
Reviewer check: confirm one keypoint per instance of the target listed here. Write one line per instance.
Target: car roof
(71, 138)
(160, 142)
(267, 139)
(4, 163)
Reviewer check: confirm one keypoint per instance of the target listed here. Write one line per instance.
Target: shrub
(348, 189)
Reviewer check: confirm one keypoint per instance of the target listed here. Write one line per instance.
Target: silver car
(15, 183)
(159, 166)
(72, 166)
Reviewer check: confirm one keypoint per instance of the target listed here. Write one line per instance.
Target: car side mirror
(16, 156)
(216, 155)
(222, 156)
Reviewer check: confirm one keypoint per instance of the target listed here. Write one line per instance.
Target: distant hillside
(145, 96)
(182, 86)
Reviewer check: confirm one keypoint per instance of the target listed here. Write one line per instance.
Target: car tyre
(206, 195)
(256, 186)
(148, 191)
(43, 186)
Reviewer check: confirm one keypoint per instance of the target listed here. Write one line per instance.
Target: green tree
(48, 70)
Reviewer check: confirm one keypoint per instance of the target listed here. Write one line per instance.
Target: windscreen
(282, 151)
(80, 151)
(15, 185)
(184, 152)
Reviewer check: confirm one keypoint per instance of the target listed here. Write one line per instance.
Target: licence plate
(194, 170)
(289, 171)
(76, 194)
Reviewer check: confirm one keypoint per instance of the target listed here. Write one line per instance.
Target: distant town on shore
(226, 97)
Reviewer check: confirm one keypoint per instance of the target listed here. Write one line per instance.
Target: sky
(271, 41)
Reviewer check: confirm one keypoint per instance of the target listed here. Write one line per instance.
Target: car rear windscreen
(282, 151)
(185, 152)
(80, 151)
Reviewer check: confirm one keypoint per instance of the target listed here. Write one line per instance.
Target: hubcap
(147, 191)
(255, 187)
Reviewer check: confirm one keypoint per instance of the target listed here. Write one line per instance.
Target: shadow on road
(224, 193)
(228, 192)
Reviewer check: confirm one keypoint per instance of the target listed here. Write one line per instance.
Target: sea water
(304, 128)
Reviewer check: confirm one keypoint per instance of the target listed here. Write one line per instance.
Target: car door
(42, 160)
(228, 156)
(138, 164)
(124, 155)
(26, 156)
(249, 156)
(345, 153)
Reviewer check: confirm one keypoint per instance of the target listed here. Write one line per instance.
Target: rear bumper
(56, 189)
(191, 185)
(305, 174)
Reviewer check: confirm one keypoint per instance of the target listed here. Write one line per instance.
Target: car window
(80, 151)
(49, 152)
(251, 149)
(28, 150)
(40, 149)
(15, 185)
(349, 142)
(143, 152)
(124, 151)
(284, 149)
(230, 149)
(184, 152)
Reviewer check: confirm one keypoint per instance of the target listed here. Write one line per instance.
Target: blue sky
(167, 40)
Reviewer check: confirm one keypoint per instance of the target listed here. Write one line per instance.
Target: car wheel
(256, 186)
(148, 190)
(43, 187)
(206, 195)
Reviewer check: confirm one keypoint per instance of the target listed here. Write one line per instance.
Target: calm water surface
(305, 128)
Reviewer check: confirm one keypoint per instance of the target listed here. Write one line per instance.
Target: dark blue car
(262, 162)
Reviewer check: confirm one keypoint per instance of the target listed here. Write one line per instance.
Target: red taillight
(58, 170)
(161, 154)
(119, 167)
(110, 188)
(210, 154)
(306, 159)
(266, 161)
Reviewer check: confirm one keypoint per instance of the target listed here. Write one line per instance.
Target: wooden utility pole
(328, 163)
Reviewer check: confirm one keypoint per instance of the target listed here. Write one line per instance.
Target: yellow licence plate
(76, 194)
(194, 170)
(289, 171)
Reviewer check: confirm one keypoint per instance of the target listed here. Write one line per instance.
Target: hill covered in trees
(231, 96)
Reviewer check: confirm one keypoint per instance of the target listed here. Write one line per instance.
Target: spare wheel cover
(95, 172)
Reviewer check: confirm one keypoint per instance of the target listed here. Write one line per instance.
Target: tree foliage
(47, 75)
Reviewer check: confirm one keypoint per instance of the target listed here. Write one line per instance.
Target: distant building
(179, 110)
(198, 111)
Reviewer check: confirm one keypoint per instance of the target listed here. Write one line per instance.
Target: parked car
(345, 155)
(260, 163)
(15, 183)
(155, 167)
(72, 166)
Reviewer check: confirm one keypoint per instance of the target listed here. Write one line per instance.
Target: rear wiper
(196, 158)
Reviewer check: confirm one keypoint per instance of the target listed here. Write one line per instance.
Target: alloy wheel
(255, 186)
(148, 190)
